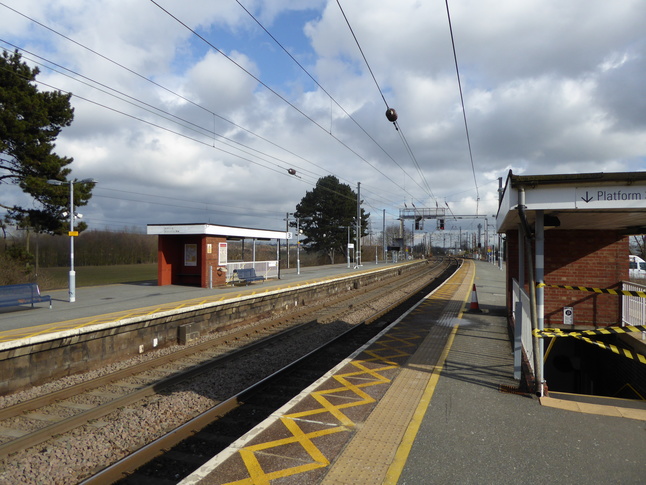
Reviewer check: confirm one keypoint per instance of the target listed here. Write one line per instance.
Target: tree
(30, 122)
(325, 214)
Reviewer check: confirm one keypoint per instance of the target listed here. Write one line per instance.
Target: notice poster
(222, 254)
(190, 254)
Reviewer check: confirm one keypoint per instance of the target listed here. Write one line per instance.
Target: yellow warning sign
(73, 233)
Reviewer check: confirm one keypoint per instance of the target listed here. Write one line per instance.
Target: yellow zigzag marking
(390, 347)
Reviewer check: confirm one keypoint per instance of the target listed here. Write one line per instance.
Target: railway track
(39, 426)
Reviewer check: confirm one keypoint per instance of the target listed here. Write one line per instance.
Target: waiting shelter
(197, 254)
(567, 248)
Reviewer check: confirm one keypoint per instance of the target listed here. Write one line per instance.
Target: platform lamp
(72, 276)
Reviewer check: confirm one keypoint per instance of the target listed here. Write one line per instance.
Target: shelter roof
(215, 230)
(596, 201)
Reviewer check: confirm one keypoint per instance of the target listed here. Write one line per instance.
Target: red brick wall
(597, 259)
(211, 259)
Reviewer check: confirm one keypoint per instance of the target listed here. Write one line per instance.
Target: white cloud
(548, 86)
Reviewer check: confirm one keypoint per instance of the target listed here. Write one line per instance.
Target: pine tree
(30, 122)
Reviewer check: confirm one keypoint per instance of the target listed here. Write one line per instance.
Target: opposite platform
(99, 304)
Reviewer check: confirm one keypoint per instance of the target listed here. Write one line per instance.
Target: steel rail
(42, 434)
(46, 432)
(128, 464)
(143, 455)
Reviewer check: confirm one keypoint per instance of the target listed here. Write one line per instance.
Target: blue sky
(549, 87)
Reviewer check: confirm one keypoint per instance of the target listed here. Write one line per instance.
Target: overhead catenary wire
(388, 108)
(207, 131)
(204, 130)
(266, 86)
(180, 134)
(159, 85)
(332, 99)
(110, 108)
(167, 90)
(189, 125)
(184, 98)
(174, 132)
(464, 112)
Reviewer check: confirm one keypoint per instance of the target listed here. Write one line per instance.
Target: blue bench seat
(22, 294)
(248, 275)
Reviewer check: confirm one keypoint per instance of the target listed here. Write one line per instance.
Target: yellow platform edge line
(401, 455)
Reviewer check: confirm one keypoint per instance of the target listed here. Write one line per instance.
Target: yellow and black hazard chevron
(613, 348)
(558, 332)
(581, 335)
(610, 291)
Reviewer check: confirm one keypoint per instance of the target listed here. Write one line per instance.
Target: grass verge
(57, 278)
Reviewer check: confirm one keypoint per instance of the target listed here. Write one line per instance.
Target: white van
(637, 267)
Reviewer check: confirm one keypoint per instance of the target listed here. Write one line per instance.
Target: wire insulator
(391, 114)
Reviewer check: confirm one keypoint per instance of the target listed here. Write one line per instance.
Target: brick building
(569, 230)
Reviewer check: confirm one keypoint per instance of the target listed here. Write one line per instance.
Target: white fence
(522, 330)
(268, 269)
(633, 308)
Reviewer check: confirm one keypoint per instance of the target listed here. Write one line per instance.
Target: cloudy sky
(194, 111)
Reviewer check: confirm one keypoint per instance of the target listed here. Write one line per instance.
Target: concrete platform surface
(473, 432)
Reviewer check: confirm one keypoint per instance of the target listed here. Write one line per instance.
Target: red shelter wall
(187, 260)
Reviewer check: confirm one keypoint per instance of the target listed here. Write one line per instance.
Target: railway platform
(433, 400)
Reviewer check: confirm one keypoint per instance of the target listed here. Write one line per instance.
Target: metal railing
(522, 330)
(633, 308)
(268, 269)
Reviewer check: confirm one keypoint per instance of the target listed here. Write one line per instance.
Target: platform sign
(610, 197)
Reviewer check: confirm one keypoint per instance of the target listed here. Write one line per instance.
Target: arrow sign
(587, 198)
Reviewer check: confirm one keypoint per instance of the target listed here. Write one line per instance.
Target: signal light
(442, 224)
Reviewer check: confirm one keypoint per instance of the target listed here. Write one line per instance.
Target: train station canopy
(215, 230)
(585, 201)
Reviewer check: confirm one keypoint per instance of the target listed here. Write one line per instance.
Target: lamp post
(72, 234)
(347, 248)
(358, 254)
(298, 245)
(298, 241)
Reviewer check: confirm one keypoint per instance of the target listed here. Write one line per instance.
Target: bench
(248, 275)
(13, 295)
